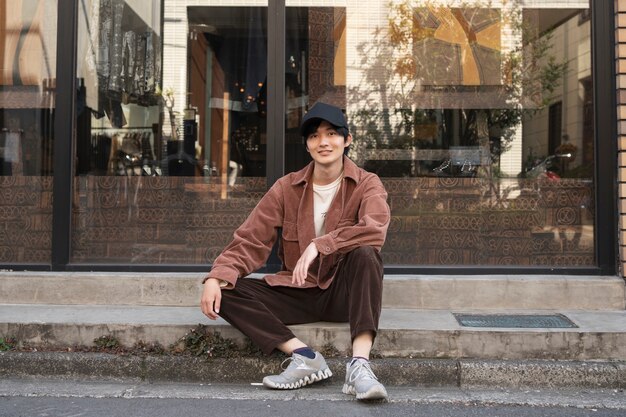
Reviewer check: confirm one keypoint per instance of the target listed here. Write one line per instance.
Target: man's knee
(366, 254)
(365, 263)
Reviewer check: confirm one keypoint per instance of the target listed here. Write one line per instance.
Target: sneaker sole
(374, 393)
(307, 380)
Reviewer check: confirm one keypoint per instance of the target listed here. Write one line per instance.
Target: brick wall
(435, 221)
(25, 219)
(465, 221)
(157, 220)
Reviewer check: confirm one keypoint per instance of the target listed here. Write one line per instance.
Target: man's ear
(347, 141)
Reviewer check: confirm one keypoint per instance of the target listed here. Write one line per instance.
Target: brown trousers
(262, 312)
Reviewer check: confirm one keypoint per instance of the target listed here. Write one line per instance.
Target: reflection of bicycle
(445, 169)
(463, 162)
(542, 167)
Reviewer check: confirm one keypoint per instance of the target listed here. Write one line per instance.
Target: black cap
(331, 114)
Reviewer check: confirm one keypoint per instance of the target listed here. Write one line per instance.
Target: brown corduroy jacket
(358, 216)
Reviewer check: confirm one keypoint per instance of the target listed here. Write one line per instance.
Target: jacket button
(327, 249)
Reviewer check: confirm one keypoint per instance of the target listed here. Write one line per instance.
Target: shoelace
(291, 360)
(362, 369)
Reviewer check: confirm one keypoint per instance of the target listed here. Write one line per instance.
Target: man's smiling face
(326, 145)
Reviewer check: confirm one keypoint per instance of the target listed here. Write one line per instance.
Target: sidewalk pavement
(419, 346)
(434, 349)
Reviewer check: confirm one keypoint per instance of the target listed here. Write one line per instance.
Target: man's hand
(211, 298)
(300, 272)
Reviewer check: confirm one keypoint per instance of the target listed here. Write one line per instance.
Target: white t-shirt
(322, 197)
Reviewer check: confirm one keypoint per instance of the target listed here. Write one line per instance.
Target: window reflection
(478, 117)
(171, 129)
(202, 115)
(27, 105)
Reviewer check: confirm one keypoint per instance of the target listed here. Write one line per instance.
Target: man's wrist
(222, 283)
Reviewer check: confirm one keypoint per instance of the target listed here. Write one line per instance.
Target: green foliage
(151, 348)
(531, 74)
(7, 344)
(200, 341)
(107, 342)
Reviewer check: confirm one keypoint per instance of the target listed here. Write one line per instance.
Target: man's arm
(371, 227)
(252, 241)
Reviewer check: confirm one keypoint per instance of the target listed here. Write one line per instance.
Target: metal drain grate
(516, 321)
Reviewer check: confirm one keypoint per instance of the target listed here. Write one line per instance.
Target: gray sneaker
(300, 372)
(361, 381)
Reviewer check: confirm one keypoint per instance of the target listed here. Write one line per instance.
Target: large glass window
(171, 136)
(27, 81)
(477, 115)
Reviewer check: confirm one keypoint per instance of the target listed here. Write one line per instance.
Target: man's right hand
(211, 298)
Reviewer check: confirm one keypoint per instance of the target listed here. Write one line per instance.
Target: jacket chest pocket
(291, 247)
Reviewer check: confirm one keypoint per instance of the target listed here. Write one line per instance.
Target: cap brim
(322, 111)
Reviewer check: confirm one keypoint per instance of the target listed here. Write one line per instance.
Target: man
(334, 218)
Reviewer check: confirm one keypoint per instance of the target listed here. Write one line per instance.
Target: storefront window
(171, 143)
(27, 79)
(478, 117)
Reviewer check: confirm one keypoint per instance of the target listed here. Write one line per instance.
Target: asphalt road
(154, 407)
(64, 398)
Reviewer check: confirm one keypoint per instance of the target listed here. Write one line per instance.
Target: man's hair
(314, 124)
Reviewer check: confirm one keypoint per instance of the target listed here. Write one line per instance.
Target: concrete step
(600, 335)
(32, 371)
(484, 292)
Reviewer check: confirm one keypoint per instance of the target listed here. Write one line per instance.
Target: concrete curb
(392, 371)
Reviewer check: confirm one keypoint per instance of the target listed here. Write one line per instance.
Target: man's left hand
(300, 272)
